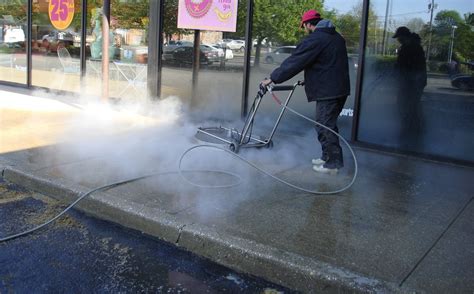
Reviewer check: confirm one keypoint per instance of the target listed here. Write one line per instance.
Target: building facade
(390, 107)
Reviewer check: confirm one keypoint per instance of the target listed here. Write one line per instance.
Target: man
(410, 74)
(323, 57)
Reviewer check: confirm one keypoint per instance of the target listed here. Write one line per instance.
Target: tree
(415, 24)
(15, 8)
(469, 18)
(130, 15)
(170, 19)
(278, 21)
(444, 22)
(348, 25)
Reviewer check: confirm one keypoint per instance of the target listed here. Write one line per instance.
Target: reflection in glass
(55, 52)
(12, 41)
(218, 93)
(418, 80)
(410, 79)
(273, 44)
(128, 49)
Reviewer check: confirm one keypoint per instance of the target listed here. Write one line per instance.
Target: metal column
(360, 69)
(248, 53)
(155, 48)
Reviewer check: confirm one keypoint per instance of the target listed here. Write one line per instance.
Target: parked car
(228, 52)
(173, 43)
(279, 54)
(235, 44)
(220, 52)
(14, 35)
(265, 43)
(463, 82)
(56, 36)
(461, 79)
(183, 55)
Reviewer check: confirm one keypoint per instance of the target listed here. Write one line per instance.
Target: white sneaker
(325, 170)
(318, 161)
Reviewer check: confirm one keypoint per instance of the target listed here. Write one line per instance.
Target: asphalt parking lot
(81, 254)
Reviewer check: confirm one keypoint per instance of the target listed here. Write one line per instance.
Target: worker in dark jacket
(323, 57)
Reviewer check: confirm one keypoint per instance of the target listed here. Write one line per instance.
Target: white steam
(107, 143)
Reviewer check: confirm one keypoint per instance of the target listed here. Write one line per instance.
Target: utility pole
(385, 28)
(432, 6)
(451, 45)
(375, 37)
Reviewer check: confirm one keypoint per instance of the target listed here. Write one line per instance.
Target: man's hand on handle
(266, 82)
(263, 86)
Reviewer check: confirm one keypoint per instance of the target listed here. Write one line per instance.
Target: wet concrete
(389, 233)
(379, 229)
(81, 254)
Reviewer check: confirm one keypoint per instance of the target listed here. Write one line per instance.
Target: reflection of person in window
(411, 80)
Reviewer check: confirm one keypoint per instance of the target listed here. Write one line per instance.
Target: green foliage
(279, 21)
(469, 18)
(348, 26)
(463, 35)
(415, 24)
(447, 17)
(170, 17)
(130, 15)
(15, 8)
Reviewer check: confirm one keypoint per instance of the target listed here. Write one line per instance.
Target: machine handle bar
(263, 90)
(282, 88)
(286, 87)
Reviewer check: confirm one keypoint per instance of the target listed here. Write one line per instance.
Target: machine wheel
(269, 145)
(234, 147)
(269, 59)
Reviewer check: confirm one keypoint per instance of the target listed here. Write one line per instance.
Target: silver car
(280, 54)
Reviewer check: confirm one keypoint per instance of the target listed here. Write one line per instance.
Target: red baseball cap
(309, 15)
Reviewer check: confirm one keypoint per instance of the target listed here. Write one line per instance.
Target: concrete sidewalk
(404, 226)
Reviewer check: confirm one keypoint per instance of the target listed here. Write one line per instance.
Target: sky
(403, 10)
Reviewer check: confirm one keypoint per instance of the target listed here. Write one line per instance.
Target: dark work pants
(327, 112)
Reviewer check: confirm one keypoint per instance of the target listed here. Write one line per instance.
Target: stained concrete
(93, 256)
(449, 264)
(388, 233)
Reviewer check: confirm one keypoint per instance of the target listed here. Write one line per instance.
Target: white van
(14, 35)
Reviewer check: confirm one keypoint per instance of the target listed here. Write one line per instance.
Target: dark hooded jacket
(323, 57)
(411, 64)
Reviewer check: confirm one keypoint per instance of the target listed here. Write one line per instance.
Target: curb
(243, 255)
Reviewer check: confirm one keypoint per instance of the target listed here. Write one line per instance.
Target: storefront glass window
(55, 44)
(12, 41)
(128, 49)
(418, 81)
(276, 33)
(218, 91)
(176, 76)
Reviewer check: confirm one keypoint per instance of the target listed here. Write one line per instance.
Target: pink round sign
(198, 8)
